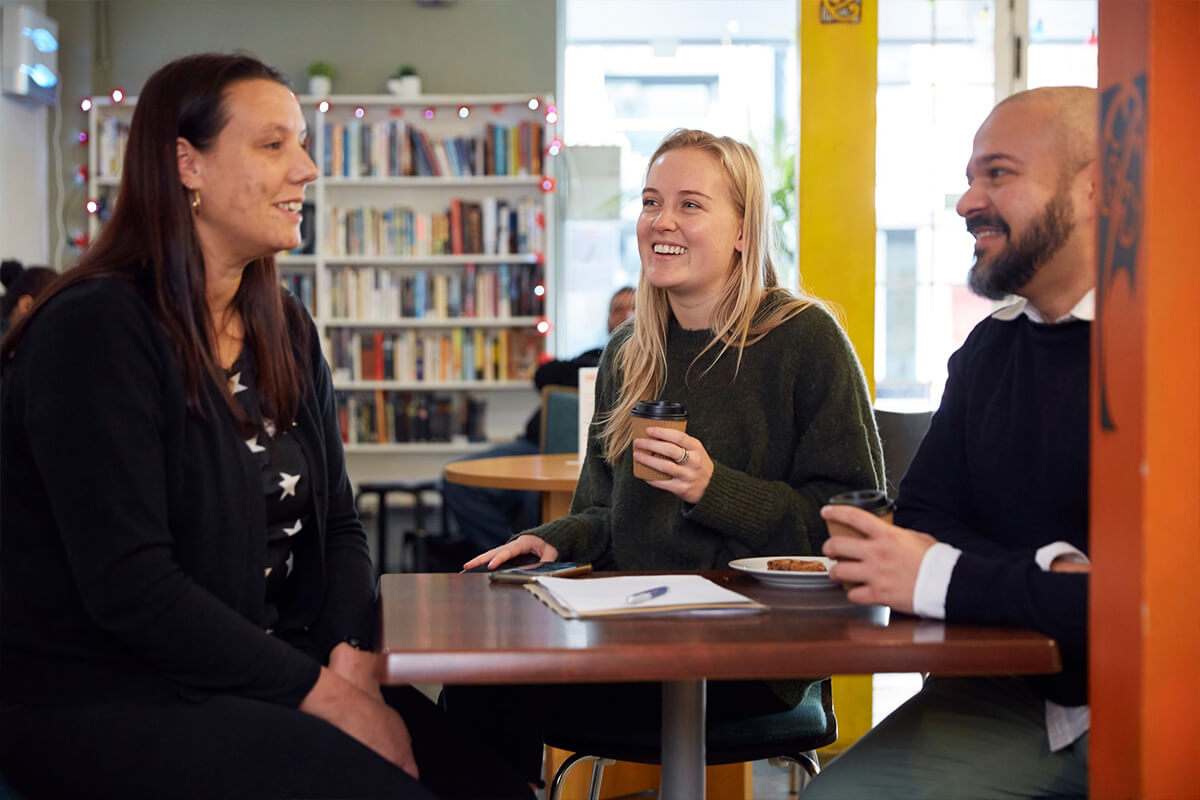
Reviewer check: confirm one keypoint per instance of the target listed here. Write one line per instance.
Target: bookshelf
(427, 264)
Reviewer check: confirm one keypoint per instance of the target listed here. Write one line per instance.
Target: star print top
(284, 467)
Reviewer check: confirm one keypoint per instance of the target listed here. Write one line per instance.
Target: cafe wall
(480, 47)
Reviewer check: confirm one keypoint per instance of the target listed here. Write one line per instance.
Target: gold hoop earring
(196, 200)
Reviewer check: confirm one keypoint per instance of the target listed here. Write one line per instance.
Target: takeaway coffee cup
(659, 414)
(871, 500)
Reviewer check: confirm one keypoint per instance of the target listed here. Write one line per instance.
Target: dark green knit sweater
(794, 427)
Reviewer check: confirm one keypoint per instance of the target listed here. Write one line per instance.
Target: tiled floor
(770, 783)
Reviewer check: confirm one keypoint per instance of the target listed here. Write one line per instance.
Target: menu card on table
(637, 594)
(587, 405)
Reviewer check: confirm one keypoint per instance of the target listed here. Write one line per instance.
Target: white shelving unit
(333, 266)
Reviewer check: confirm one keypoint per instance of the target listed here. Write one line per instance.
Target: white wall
(24, 162)
(468, 47)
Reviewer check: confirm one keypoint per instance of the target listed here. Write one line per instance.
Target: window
(1062, 43)
(936, 78)
(942, 66)
(727, 69)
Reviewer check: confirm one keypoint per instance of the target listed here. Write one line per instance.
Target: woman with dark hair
(22, 285)
(186, 596)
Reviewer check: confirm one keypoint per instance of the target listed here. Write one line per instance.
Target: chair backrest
(811, 724)
(901, 433)
(560, 419)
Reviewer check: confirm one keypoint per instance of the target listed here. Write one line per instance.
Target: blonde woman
(779, 418)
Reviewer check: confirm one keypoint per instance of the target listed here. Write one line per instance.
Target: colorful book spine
(456, 226)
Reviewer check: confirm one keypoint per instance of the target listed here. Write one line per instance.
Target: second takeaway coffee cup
(657, 414)
(871, 500)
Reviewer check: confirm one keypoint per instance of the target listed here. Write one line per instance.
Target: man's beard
(1013, 268)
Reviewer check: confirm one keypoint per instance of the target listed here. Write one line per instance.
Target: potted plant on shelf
(320, 78)
(405, 82)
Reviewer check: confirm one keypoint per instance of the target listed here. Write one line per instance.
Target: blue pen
(649, 594)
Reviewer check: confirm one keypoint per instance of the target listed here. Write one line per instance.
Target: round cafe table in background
(554, 476)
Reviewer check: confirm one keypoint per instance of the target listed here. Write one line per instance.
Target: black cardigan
(132, 540)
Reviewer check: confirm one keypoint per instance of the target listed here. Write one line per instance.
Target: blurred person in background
(22, 285)
(488, 517)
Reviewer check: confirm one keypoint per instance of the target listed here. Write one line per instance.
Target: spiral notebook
(627, 595)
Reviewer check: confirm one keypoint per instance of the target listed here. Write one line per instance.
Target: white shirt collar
(1084, 310)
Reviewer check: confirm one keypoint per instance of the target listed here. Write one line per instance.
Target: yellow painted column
(836, 209)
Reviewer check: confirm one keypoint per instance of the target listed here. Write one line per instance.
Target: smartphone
(554, 569)
(523, 560)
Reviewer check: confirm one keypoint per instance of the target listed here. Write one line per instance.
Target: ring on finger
(683, 458)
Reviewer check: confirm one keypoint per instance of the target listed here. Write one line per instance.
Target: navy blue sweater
(1004, 471)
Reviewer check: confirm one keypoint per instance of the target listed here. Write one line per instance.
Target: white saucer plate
(782, 578)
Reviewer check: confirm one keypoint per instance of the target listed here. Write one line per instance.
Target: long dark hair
(151, 242)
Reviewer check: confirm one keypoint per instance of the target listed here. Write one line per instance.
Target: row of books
(378, 293)
(303, 286)
(396, 417)
(112, 136)
(434, 356)
(487, 227)
(390, 148)
(396, 148)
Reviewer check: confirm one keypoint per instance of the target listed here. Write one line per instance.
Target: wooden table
(554, 476)
(462, 629)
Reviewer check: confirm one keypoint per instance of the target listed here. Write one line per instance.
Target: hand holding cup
(662, 415)
(872, 501)
(665, 456)
(878, 562)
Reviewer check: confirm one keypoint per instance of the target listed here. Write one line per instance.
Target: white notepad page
(593, 595)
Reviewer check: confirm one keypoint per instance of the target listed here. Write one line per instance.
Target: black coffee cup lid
(660, 409)
(872, 500)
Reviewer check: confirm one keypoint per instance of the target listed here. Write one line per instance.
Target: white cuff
(933, 580)
(1046, 554)
(1065, 724)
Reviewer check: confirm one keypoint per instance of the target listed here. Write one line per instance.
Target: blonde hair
(641, 360)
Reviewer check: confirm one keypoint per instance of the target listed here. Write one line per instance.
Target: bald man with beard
(992, 516)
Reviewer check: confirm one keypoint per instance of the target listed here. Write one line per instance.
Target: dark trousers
(513, 720)
(233, 747)
(983, 738)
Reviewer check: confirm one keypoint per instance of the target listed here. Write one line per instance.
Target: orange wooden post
(1145, 506)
